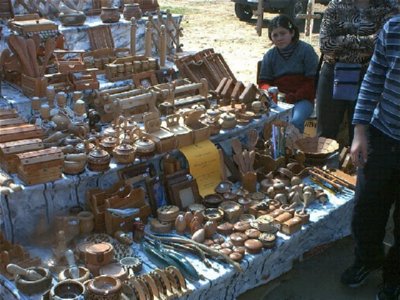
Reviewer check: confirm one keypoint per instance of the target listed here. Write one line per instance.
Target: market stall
(132, 169)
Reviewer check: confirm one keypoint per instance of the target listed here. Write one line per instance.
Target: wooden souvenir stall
(103, 148)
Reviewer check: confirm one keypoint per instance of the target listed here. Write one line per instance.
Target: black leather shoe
(355, 275)
(388, 292)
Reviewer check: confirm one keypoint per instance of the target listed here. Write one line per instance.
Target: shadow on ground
(318, 277)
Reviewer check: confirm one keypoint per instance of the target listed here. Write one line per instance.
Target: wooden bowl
(212, 200)
(317, 147)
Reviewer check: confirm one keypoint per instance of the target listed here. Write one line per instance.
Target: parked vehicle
(244, 8)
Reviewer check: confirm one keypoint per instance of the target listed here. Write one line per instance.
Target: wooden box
(135, 199)
(27, 24)
(123, 68)
(183, 134)
(20, 132)
(40, 166)
(291, 226)
(8, 113)
(70, 64)
(11, 122)
(97, 197)
(33, 87)
(200, 130)
(86, 80)
(9, 150)
(164, 139)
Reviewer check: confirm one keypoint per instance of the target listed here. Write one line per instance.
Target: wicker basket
(317, 147)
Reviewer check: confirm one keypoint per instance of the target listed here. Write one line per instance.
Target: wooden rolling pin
(30, 275)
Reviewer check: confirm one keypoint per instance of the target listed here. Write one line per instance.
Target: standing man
(376, 152)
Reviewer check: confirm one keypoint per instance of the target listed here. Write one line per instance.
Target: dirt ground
(213, 24)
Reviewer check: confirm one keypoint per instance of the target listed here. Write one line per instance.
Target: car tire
(243, 12)
(294, 8)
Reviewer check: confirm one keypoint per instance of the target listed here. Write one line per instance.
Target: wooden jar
(99, 254)
(124, 154)
(132, 10)
(104, 287)
(99, 160)
(109, 14)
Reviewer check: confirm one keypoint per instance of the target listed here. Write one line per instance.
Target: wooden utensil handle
(33, 57)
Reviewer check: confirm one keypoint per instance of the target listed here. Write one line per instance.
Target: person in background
(291, 66)
(347, 34)
(376, 152)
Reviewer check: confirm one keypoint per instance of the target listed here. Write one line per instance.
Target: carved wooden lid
(238, 238)
(167, 213)
(253, 246)
(225, 228)
(252, 233)
(236, 256)
(242, 226)
(99, 248)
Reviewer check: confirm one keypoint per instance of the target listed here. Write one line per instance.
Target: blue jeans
(302, 110)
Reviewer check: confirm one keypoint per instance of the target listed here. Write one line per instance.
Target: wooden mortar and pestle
(32, 280)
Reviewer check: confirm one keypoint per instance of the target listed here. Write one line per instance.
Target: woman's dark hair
(285, 22)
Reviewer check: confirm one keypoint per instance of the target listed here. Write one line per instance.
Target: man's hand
(359, 146)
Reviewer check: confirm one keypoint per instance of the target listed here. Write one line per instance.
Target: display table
(328, 223)
(25, 213)
(77, 38)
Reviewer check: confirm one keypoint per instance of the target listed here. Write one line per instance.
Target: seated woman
(291, 66)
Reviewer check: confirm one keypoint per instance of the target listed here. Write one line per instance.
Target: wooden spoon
(36, 39)
(246, 159)
(48, 52)
(32, 53)
(252, 139)
(236, 146)
(18, 45)
(238, 159)
(252, 156)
